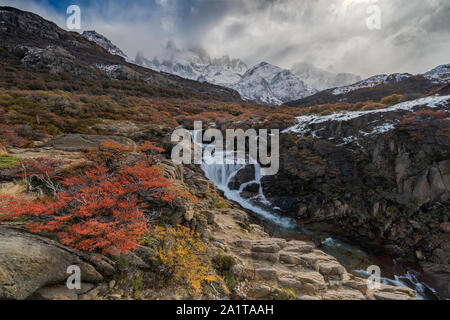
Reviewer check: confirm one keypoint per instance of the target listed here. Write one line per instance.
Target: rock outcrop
(29, 262)
(79, 142)
(372, 174)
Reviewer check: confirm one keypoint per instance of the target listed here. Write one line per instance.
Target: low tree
(99, 210)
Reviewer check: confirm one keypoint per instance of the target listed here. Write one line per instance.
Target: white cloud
(415, 34)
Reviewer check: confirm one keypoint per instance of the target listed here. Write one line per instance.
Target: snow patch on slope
(303, 122)
(105, 43)
(372, 82)
(440, 74)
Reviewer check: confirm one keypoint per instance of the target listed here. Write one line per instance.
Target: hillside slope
(379, 86)
(27, 39)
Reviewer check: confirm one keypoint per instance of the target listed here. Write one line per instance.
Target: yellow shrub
(179, 250)
(372, 106)
(393, 99)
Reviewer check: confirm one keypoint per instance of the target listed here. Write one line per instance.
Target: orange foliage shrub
(425, 114)
(112, 153)
(280, 120)
(150, 147)
(431, 114)
(372, 106)
(9, 137)
(327, 109)
(98, 210)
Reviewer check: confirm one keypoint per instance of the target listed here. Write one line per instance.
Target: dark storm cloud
(414, 35)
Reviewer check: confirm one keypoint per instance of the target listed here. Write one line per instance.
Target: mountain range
(302, 85)
(264, 83)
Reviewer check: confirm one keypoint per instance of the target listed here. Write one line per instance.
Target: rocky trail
(267, 267)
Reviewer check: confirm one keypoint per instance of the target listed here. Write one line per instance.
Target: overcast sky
(332, 34)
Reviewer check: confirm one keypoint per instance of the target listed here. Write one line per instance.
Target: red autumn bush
(8, 136)
(414, 118)
(150, 147)
(98, 210)
(426, 122)
(431, 114)
(111, 153)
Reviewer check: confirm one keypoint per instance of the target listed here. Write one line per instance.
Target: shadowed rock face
(376, 179)
(245, 175)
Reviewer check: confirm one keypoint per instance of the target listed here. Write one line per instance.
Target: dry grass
(3, 151)
(12, 189)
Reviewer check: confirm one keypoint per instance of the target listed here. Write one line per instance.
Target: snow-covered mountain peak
(265, 83)
(322, 79)
(270, 84)
(236, 65)
(440, 74)
(196, 64)
(372, 82)
(264, 70)
(191, 55)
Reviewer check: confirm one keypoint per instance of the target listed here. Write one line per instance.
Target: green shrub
(9, 162)
(230, 280)
(286, 293)
(137, 282)
(245, 225)
(219, 204)
(222, 264)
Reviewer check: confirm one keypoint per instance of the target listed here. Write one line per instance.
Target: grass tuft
(9, 162)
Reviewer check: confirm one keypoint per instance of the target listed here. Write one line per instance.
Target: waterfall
(409, 280)
(222, 173)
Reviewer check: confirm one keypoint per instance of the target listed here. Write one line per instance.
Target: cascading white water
(222, 173)
(409, 280)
